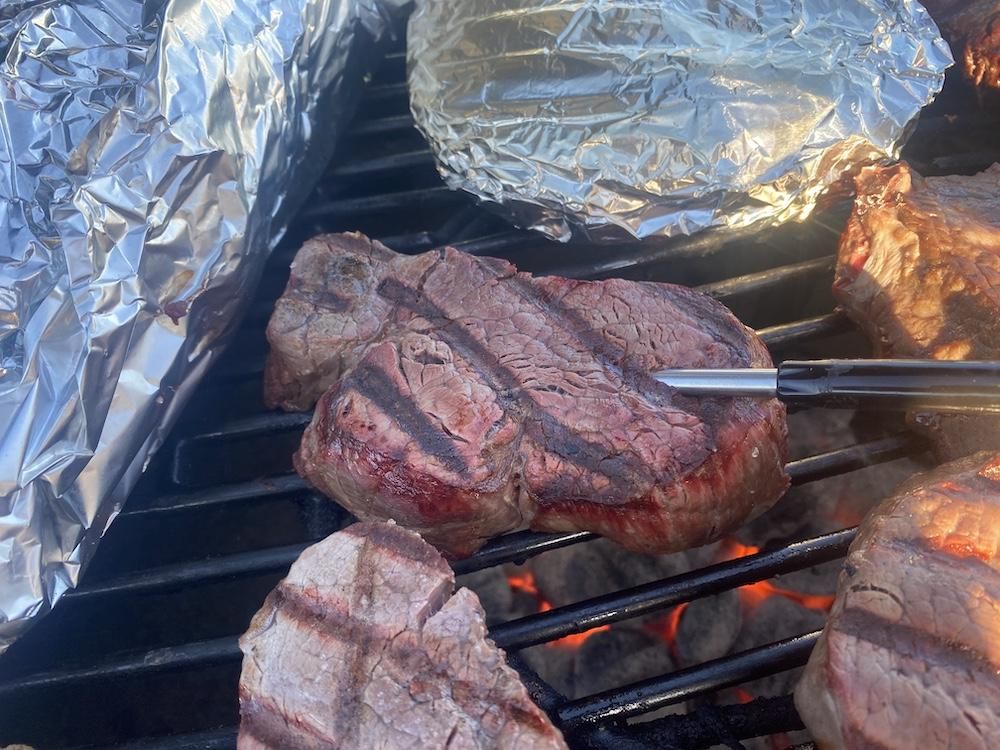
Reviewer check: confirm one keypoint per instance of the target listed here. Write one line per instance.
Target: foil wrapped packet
(151, 155)
(640, 118)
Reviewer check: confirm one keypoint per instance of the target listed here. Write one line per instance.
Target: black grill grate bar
(706, 726)
(512, 548)
(630, 700)
(383, 92)
(193, 573)
(799, 331)
(684, 684)
(518, 548)
(657, 595)
(762, 281)
(853, 457)
(218, 739)
(196, 654)
(379, 164)
(383, 125)
(281, 486)
(405, 199)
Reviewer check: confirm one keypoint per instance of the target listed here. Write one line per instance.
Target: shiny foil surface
(619, 119)
(151, 154)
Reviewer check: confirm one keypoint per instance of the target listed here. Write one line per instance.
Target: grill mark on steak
(512, 396)
(563, 426)
(908, 657)
(613, 358)
(371, 382)
(375, 605)
(913, 643)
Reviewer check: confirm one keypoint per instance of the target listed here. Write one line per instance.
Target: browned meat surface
(910, 657)
(972, 28)
(470, 400)
(919, 271)
(364, 645)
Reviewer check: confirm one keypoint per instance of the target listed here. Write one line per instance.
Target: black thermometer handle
(892, 384)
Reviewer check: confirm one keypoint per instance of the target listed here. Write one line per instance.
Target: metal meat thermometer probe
(880, 384)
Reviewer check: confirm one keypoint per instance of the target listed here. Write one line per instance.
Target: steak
(973, 32)
(365, 645)
(919, 271)
(468, 400)
(910, 656)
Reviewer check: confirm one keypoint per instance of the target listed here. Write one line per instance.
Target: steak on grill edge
(919, 271)
(910, 656)
(464, 399)
(364, 645)
(973, 33)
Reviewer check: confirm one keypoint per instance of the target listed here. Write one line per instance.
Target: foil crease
(151, 155)
(620, 119)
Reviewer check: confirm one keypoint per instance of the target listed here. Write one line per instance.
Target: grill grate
(144, 655)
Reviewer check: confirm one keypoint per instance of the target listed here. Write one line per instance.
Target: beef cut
(910, 656)
(972, 29)
(365, 645)
(919, 271)
(466, 399)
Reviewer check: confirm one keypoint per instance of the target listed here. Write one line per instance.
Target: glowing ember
(667, 629)
(525, 583)
(754, 594)
(743, 696)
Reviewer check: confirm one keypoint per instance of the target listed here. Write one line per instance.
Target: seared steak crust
(476, 400)
(364, 645)
(910, 657)
(919, 271)
(973, 32)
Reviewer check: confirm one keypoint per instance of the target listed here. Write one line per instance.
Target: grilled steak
(919, 271)
(973, 32)
(470, 400)
(910, 657)
(364, 645)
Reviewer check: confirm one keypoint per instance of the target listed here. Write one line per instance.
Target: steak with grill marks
(910, 656)
(364, 645)
(468, 400)
(973, 32)
(919, 271)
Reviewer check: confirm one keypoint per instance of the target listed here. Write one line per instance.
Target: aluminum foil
(151, 154)
(639, 118)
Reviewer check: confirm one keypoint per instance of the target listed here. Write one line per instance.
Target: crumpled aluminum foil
(636, 118)
(151, 155)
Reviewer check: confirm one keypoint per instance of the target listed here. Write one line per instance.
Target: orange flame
(755, 594)
(525, 583)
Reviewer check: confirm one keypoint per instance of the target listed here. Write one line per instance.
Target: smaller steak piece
(910, 657)
(471, 400)
(973, 32)
(364, 645)
(919, 271)
(326, 318)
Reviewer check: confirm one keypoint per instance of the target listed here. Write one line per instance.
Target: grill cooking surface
(145, 654)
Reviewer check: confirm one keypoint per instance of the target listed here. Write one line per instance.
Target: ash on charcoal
(708, 628)
(606, 659)
(495, 594)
